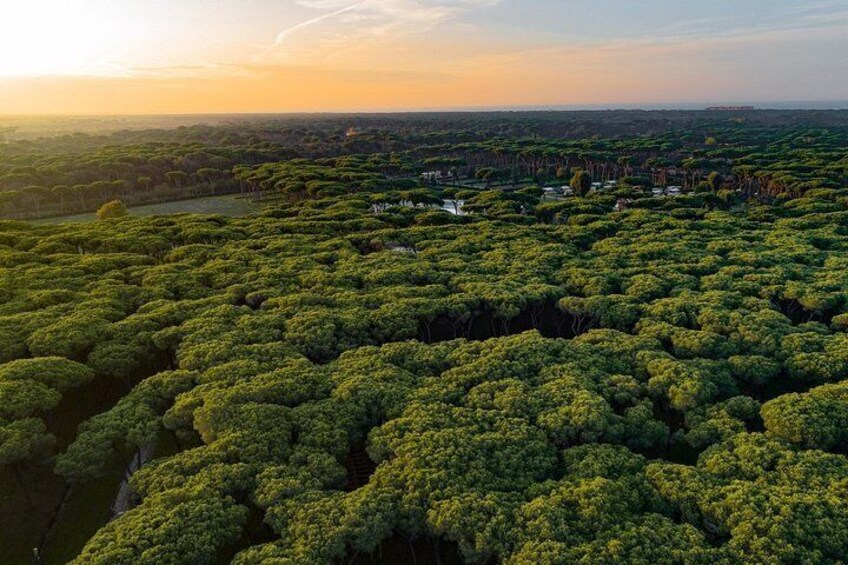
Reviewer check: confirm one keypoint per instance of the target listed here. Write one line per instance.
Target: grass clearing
(227, 205)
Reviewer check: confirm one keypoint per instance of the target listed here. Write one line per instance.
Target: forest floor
(60, 518)
(51, 505)
(227, 205)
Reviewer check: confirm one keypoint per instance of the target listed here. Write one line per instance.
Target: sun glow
(58, 37)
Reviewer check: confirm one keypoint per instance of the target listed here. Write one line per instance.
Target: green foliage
(112, 209)
(133, 423)
(23, 440)
(534, 380)
(817, 419)
(773, 503)
(581, 182)
(179, 526)
(55, 372)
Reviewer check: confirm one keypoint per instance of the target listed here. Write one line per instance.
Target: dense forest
(766, 153)
(426, 349)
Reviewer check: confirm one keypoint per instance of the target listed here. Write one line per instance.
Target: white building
(432, 176)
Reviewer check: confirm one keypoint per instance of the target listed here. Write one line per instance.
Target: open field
(227, 205)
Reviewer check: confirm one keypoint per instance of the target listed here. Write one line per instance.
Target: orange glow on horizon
(170, 57)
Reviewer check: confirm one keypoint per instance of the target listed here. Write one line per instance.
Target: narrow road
(122, 500)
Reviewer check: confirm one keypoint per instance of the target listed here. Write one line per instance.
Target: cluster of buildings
(433, 177)
(566, 190)
(729, 108)
(670, 191)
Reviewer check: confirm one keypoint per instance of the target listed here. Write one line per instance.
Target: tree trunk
(438, 548)
(17, 472)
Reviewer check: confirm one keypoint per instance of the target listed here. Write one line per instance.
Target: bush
(112, 209)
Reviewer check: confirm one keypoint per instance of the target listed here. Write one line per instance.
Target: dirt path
(124, 496)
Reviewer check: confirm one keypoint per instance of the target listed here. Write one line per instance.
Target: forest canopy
(469, 368)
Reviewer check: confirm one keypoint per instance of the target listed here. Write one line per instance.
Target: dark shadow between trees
(398, 550)
(546, 318)
(793, 310)
(359, 467)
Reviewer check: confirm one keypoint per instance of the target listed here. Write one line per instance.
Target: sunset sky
(188, 56)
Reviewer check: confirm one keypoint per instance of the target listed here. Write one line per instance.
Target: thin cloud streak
(286, 32)
(379, 17)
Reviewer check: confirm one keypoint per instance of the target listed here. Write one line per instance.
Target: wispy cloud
(811, 15)
(318, 19)
(378, 17)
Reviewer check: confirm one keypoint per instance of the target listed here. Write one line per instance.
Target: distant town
(730, 108)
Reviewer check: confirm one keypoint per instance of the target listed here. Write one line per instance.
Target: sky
(225, 56)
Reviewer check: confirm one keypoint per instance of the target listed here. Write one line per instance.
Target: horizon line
(774, 105)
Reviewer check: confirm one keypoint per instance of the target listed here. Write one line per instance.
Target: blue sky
(601, 20)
